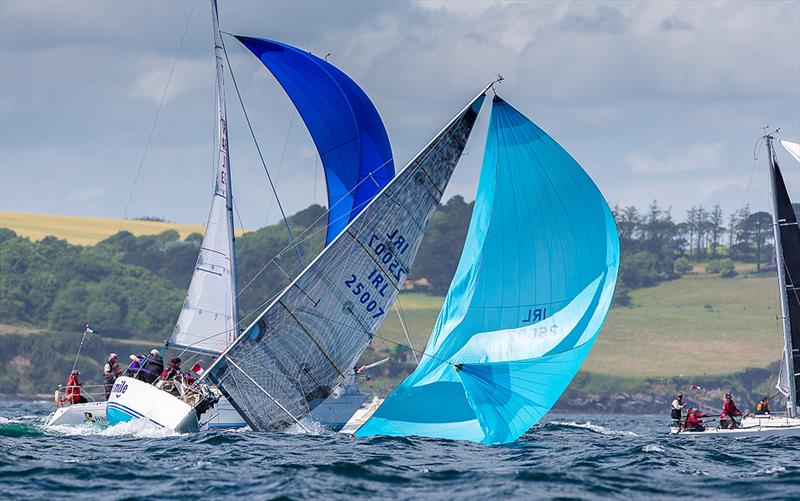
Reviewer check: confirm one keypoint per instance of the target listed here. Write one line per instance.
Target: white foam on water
(139, 428)
(652, 448)
(595, 428)
(309, 427)
(772, 470)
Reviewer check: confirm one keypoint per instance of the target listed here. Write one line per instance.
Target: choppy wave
(566, 456)
(19, 428)
(595, 428)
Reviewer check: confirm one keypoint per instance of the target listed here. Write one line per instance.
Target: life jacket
(73, 392)
(171, 372)
(729, 409)
(762, 408)
(693, 419)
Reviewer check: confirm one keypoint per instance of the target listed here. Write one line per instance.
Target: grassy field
(698, 324)
(84, 230)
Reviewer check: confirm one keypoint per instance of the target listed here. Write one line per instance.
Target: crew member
(152, 367)
(73, 392)
(173, 370)
(729, 412)
(694, 421)
(762, 409)
(111, 371)
(677, 407)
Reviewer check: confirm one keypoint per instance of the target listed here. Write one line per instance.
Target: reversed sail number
(364, 296)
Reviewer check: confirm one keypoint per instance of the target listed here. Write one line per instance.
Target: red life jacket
(729, 409)
(692, 419)
(73, 392)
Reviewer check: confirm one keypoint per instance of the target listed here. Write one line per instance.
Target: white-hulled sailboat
(356, 156)
(787, 260)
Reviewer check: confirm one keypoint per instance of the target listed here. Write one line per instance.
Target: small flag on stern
(197, 369)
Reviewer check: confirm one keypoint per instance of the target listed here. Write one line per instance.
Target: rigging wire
(260, 155)
(283, 156)
(155, 119)
(397, 309)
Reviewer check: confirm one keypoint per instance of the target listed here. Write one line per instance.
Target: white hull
(222, 416)
(361, 415)
(133, 399)
(768, 425)
(78, 414)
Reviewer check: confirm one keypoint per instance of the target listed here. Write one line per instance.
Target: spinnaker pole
(224, 169)
(791, 398)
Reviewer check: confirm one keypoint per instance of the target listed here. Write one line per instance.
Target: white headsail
(208, 318)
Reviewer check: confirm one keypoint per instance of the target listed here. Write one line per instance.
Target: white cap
(154, 351)
(112, 355)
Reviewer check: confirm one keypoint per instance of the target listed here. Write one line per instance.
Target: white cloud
(154, 79)
(694, 158)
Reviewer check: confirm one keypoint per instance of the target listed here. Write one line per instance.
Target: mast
(224, 167)
(791, 403)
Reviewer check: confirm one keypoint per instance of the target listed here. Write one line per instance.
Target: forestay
(208, 318)
(344, 124)
(532, 289)
(311, 336)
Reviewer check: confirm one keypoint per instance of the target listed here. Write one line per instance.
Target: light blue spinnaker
(344, 124)
(530, 295)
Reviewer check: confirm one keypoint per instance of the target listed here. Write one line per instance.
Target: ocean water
(565, 456)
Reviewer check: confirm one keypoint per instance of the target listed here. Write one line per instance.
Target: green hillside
(671, 320)
(694, 325)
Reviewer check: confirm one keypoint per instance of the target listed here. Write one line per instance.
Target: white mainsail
(208, 318)
(792, 148)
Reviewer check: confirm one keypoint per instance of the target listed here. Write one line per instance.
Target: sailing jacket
(729, 409)
(693, 419)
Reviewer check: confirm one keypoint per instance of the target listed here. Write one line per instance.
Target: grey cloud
(675, 24)
(604, 20)
(606, 80)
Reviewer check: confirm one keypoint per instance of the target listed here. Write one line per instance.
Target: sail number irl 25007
(372, 290)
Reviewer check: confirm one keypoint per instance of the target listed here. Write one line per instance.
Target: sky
(656, 100)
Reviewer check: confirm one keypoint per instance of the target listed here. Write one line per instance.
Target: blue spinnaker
(529, 296)
(344, 124)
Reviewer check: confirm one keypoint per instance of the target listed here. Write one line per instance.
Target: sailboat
(356, 156)
(532, 288)
(787, 261)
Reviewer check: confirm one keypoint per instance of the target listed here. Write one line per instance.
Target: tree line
(133, 286)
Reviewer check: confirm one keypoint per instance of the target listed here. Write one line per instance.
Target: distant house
(417, 284)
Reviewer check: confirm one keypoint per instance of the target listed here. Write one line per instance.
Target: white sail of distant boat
(792, 148)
